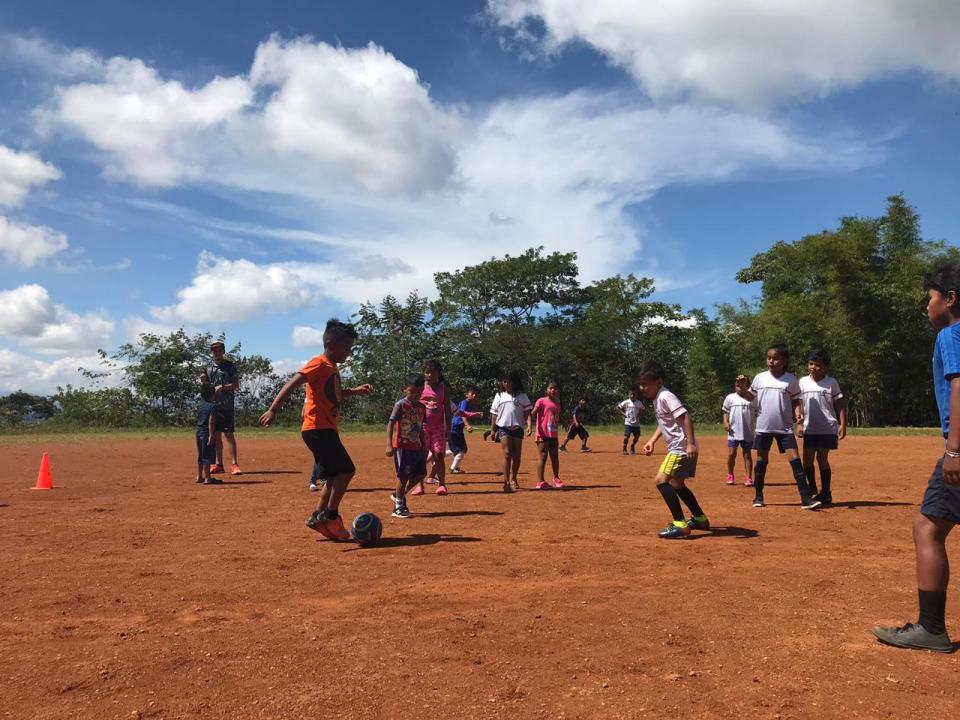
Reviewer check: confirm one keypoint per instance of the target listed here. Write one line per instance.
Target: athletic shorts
(545, 443)
(329, 454)
(436, 441)
(785, 441)
(577, 431)
(515, 433)
(941, 500)
(409, 463)
(820, 442)
(631, 430)
(206, 454)
(458, 441)
(678, 467)
(224, 421)
(745, 444)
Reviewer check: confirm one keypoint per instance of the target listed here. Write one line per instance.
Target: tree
(20, 408)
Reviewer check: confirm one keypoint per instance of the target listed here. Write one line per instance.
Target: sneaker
(730, 480)
(542, 485)
(417, 489)
(199, 481)
(825, 499)
(914, 637)
(558, 483)
(442, 490)
(507, 488)
(216, 468)
(213, 481)
(456, 471)
(335, 527)
(698, 522)
(748, 482)
(432, 481)
(562, 449)
(584, 449)
(809, 503)
(235, 470)
(758, 501)
(314, 487)
(674, 532)
(401, 511)
(317, 522)
(516, 484)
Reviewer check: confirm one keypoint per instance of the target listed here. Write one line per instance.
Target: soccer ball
(367, 529)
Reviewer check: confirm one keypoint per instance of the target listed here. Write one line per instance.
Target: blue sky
(229, 166)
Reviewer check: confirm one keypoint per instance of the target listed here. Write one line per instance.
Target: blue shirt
(946, 364)
(203, 417)
(457, 421)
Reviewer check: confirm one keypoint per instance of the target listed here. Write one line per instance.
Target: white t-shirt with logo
(774, 402)
(741, 413)
(509, 410)
(819, 414)
(669, 409)
(632, 410)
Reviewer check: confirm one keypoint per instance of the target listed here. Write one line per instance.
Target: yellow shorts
(678, 466)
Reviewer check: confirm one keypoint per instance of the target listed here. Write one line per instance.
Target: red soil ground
(128, 591)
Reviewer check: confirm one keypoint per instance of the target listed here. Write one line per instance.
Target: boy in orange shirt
(321, 420)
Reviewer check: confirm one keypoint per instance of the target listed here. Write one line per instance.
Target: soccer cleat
(314, 487)
(748, 482)
(317, 522)
(417, 489)
(401, 511)
(585, 449)
(914, 636)
(758, 500)
(542, 485)
(213, 481)
(730, 480)
(825, 499)
(335, 527)
(507, 488)
(563, 448)
(235, 470)
(442, 490)
(809, 503)
(674, 532)
(456, 471)
(215, 468)
(698, 522)
(558, 483)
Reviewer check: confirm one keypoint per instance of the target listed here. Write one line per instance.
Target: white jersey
(669, 409)
(775, 396)
(741, 413)
(509, 410)
(819, 413)
(632, 410)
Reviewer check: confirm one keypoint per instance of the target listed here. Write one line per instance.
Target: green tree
(20, 408)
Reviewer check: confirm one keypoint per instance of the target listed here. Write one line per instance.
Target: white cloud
(743, 51)
(28, 315)
(26, 245)
(49, 58)
(235, 290)
(21, 171)
(304, 336)
(22, 372)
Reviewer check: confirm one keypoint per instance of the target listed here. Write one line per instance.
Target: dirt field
(128, 591)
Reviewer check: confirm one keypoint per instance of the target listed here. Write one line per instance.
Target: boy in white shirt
(777, 393)
(675, 424)
(631, 409)
(824, 422)
(739, 413)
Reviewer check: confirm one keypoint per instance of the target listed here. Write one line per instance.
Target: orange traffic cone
(44, 479)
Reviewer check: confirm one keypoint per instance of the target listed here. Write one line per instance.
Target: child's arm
(650, 444)
(726, 422)
(293, 383)
(840, 406)
(743, 387)
(798, 413)
(622, 411)
(692, 449)
(951, 465)
(391, 425)
(530, 417)
(211, 429)
(364, 389)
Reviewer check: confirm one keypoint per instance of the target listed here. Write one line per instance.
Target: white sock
(457, 459)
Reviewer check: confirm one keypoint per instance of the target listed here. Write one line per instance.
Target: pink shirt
(548, 417)
(435, 400)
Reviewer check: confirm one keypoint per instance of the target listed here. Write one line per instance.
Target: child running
(508, 415)
(631, 409)
(824, 423)
(321, 420)
(461, 422)
(675, 424)
(207, 435)
(406, 443)
(777, 393)
(739, 413)
(940, 511)
(436, 428)
(546, 415)
(576, 427)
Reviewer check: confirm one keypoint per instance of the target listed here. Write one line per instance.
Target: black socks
(799, 477)
(759, 473)
(933, 607)
(825, 477)
(811, 475)
(686, 494)
(672, 500)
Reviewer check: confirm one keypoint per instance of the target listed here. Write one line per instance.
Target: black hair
(633, 389)
(413, 379)
(583, 399)
(471, 389)
(944, 278)
(555, 383)
(434, 364)
(207, 391)
(651, 371)
(336, 331)
(820, 356)
(515, 380)
(781, 350)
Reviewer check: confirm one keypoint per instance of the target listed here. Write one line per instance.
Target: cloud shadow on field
(733, 531)
(415, 540)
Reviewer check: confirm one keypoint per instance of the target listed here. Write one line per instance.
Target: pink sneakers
(730, 480)
(542, 485)
(441, 490)
(417, 489)
(558, 483)
(748, 482)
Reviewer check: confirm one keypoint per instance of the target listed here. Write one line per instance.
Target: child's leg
(507, 459)
(809, 469)
(542, 463)
(439, 469)
(731, 460)
(671, 498)
(687, 496)
(200, 475)
(218, 442)
(933, 569)
(748, 462)
(626, 437)
(826, 472)
(633, 443)
(799, 476)
(760, 473)
(554, 459)
(332, 493)
(583, 437)
(517, 451)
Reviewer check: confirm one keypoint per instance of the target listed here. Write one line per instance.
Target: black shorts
(785, 441)
(515, 433)
(577, 431)
(941, 500)
(820, 442)
(546, 443)
(631, 430)
(206, 454)
(458, 441)
(224, 421)
(410, 464)
(329, 454)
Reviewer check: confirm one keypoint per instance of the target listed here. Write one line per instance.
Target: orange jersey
(321, 411)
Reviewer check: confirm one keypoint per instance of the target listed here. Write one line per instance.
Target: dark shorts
(546, 443)
(515, 433)
(458, 441)
(941, 500)
(745, 444)
(329, 454)
(820, 442)
(224, 419)
(785, 441)
(206, 454)
(409, 463)
(631, 430)
(577, 431)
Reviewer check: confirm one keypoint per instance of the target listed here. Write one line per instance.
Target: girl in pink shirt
(436, 427)
(547, 411)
